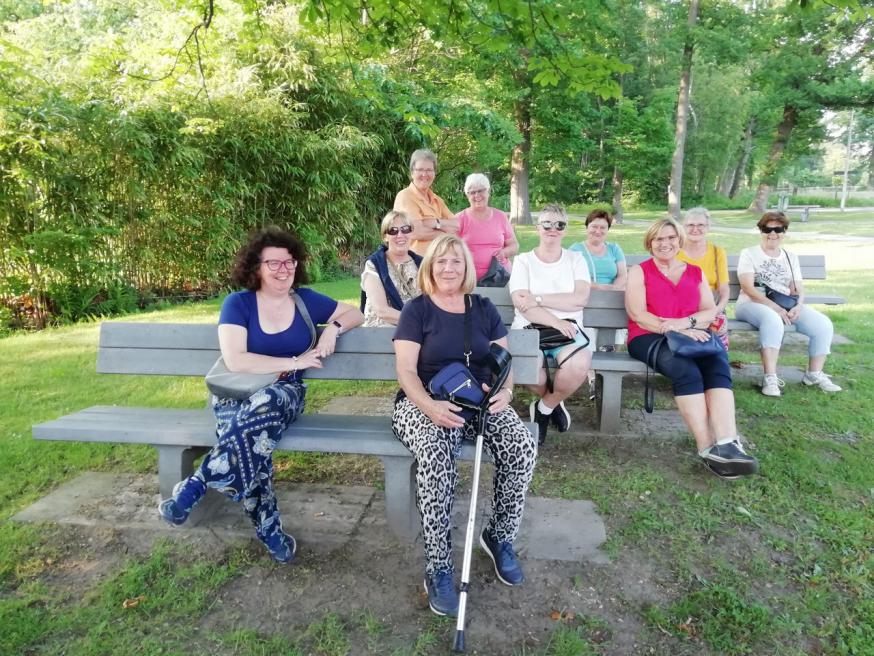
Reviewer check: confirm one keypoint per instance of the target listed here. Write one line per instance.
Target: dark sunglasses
(778, 229)
(553, 225)
(405, 229)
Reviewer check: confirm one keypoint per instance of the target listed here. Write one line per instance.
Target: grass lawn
(779, 564)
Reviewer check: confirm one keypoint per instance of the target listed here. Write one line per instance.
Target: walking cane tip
(458, 647)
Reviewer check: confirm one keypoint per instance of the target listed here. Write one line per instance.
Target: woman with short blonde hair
(438, 329)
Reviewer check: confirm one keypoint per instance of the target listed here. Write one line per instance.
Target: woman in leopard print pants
(429, 336)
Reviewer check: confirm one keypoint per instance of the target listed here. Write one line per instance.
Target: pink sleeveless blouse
(666, 299)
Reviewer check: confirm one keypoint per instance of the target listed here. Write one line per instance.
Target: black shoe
(720, 470)
(561, 418)
(540, 419)
(730, 459)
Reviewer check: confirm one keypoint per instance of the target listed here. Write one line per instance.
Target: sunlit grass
(804, 527)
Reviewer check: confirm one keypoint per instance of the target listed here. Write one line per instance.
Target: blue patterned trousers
(240, 465)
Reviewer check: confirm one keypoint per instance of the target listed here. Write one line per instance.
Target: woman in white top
(390, 276)
(550, 286)
(770, 264)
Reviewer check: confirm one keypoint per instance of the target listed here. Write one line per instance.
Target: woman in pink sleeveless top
(666, 294)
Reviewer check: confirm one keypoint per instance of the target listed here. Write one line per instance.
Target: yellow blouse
(714, 264)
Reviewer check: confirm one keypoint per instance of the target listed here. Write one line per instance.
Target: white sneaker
(820, 379)
(771, 385)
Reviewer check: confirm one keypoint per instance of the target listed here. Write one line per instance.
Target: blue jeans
(240, 465)
(810, 322)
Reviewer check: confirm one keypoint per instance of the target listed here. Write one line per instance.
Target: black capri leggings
(688, 375)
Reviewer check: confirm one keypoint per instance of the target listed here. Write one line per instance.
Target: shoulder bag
(237, 385)
(455, 382)
(681, 346)
(553, 338)
(496, 276)
(785, 301)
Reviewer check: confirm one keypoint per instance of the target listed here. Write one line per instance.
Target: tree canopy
(140, 141)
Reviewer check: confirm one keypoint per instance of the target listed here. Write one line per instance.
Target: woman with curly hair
(261, 331)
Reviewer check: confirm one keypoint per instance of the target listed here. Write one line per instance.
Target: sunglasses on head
(769, 229)
(405, 229)
(553, 225)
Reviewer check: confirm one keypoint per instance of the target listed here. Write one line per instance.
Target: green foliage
(115, 183)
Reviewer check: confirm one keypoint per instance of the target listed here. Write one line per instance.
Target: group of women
(419, 281)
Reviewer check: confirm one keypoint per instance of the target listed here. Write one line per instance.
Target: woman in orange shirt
(429, 215)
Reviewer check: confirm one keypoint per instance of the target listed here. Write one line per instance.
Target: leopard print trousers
(435, 449)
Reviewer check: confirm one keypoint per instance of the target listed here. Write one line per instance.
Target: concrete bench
(181, 436)
(605, 311)
(805, 209)
(812, 268)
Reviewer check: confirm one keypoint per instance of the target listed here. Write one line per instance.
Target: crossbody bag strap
(593, 274)
(791, 271)
(467, 349)
(305, 315)
(652, 356)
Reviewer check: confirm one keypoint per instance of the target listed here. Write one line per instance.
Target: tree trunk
(871, 166)
(769, 175)
(617, 195)
(744, 159)
(675, 188)
(726, 179)
(520, 210)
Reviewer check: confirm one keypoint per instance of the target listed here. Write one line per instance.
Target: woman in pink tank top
(665, 294)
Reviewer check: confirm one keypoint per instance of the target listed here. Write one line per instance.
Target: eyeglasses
(404, 229)
(553, 225)
(769, 229)
(423, 170)
(695, 226)
(275, 265)
(476, 192)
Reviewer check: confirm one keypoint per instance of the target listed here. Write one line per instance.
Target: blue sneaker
(281, 546)
(186, 494)
(507, 566)
(442, 595)
(171, 513)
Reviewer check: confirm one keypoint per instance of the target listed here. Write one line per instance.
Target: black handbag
(552, 338)
(682, 346)
(496, 276)
(455, 382)
(785, 301)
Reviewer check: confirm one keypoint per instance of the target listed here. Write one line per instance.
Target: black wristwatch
(338, 325)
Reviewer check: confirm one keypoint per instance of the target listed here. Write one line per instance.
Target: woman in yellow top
(711, 259)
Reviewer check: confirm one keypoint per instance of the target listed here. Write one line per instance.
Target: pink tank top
(664, 298)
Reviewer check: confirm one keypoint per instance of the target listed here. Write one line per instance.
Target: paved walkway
(322, 517)
(796, 235)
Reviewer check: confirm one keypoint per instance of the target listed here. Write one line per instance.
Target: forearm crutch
(458, 645)
(500, 364)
